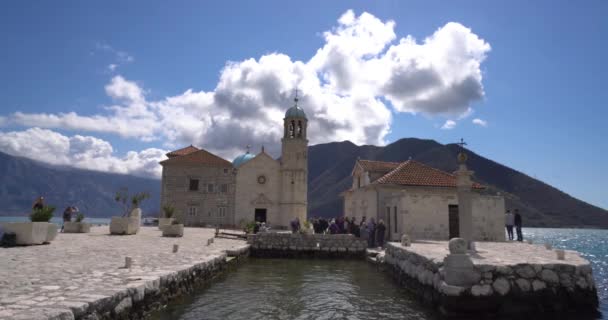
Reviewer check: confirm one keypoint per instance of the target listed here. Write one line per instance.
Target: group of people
(513, 220)
(371, 231)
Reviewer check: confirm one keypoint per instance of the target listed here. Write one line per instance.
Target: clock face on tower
(261, 179)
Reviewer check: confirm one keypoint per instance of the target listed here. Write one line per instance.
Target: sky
(114, 85)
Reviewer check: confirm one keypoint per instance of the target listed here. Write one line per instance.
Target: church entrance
(260, 215)
(454, 221)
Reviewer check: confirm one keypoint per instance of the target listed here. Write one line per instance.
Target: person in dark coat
(520, 236)
(380, 230)
(371, 229)
(67, 216)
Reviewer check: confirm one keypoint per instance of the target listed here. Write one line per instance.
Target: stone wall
(306, 245)
(146, 294)
(213, 206)
(496, 290)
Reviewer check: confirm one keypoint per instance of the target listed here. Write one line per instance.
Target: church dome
(240, 160)
(295, 112)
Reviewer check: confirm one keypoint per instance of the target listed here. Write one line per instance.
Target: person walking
(380, 230)
(67, 217)
(509, 221)
(517, 221)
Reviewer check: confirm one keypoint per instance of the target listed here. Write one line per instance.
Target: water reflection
(300, 289)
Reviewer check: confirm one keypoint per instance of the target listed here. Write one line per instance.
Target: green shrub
(42, 215)
(79, 217)
(249, 227)
(169, 211)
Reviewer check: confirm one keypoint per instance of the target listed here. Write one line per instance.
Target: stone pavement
(61, 279)
(498, 253)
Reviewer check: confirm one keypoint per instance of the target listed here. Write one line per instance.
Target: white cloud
(449, 125)
(119, 57)
(112, 67)
(480, 122)
(345, 87)
(78, 151)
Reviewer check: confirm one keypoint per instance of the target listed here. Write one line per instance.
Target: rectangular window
(395, 218)
(192, 211)
(221, 211)
(224, 188)
(193, 185)
(210, 188)
(225, 170)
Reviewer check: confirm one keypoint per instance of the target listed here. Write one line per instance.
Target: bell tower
(294, 165)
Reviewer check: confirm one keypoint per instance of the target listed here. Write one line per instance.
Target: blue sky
(543, 80)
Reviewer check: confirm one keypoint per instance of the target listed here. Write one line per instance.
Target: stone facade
(422, 212)
(209, 203)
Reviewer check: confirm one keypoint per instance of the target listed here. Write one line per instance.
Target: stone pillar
(464, 186)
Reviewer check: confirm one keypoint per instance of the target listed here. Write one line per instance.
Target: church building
(423, 202)
(207, 190)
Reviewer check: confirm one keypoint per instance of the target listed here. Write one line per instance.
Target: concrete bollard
(175, 248)
(128, 262)
(561, 254)
(548, 246)
(209, 241)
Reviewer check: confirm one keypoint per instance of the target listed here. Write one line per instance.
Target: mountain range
(329, 169)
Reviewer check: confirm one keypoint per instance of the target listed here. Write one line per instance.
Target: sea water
(334, 289)
(57, 220)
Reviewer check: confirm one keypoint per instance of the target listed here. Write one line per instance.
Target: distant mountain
(23, 180)
(329, 169)
(330, 166)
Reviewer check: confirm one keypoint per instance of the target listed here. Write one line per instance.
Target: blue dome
(240, 160)
(295, 112)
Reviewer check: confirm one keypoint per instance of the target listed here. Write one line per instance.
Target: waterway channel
(299, 289)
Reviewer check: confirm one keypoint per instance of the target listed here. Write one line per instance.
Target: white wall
(489, 218)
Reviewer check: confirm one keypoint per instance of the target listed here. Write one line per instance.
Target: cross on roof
(461, 143)
(296, 98)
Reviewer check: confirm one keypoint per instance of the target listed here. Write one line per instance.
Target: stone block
(76, 227)
(174, 230)
(29, 233)
(538, 285)
(549, 276)
(124, 225)
(525, 271)
(459, 270)
(523, 284)
(457, 246)
(501, 286)
(481, 290)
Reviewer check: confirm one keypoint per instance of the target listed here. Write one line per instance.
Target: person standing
(509, 221)
(67, 217)
(371, 229)
(38, 204)
(380, 230)
(517, 221)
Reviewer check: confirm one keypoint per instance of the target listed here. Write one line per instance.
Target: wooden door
(454, 221)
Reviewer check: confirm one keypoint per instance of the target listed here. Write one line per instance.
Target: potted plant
(130, 220)
(38, 231)
(77, 226)
(175, 229)
(168, 219)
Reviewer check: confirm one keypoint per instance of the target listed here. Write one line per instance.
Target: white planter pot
(163, 222)
(76, 227)
(173, 230)
(126, 225)
(29, 233)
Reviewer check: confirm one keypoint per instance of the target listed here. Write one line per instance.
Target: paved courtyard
(76, 269)
(499, 253)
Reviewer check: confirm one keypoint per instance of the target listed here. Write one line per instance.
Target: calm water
(299, 289)
(326, 289)
(56, 220)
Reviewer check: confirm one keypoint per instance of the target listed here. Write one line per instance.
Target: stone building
(423, 202)
(208, 190)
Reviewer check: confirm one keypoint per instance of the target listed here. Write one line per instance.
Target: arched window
(291, 128)
(299, 128)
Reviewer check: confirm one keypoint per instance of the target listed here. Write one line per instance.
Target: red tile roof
(377, 166)
(199, 157)
(182, 152)
(413, 173)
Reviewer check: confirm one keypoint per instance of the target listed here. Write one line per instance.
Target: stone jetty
(83, 276)
(297, 245)
(497, 279)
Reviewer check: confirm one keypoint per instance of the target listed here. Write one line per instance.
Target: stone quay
(84, 275)
(497, 279)
(298, 245)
